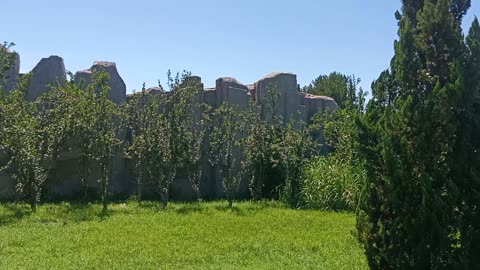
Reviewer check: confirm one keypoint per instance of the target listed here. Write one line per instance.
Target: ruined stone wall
(64, 182)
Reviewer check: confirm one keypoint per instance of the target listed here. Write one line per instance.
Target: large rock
(314, 104)
(286, 84)
(12, 73)
(232, 91)
(118, 90)
(47, 73)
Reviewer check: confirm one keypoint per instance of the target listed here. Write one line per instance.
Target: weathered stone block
(47, 73)
(118, 89)
(232, 91)
(286, 85)
(12, 74)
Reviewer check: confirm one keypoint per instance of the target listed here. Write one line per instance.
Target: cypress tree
(409, 217)
(468, 154)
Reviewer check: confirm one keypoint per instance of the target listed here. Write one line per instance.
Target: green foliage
(261, 235)
(33, 134)
(342, 88)
(102, 138)
(147, 129)
(295, 144)
(468, 147)
(261, 146)
(331, 183)
(193, 126)
(413, 138)
(225, 152)
(167, 134)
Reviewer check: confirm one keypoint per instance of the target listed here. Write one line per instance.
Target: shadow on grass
(14, 213)
(191, 208)
(151, 205)
(79, 211)
(232, 209)
(76, 212)
(11, 213)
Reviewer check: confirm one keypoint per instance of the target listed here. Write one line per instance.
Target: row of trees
(163, 133)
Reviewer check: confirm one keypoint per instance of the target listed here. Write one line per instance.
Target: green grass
(185, 236)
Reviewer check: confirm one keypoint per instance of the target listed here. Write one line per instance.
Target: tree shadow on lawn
(14, 213)
(240, 208)
(64, 213)
(191, 208)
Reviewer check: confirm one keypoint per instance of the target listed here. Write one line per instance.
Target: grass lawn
(185, 236)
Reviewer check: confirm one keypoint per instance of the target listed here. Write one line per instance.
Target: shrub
(331, 183)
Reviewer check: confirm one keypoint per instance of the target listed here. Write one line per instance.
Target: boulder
(118, 89)
(47, 73)
(314, 104)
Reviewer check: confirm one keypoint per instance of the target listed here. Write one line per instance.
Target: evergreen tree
(468, 169)
(409, 215)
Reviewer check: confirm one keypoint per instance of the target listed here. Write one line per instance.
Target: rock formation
(12, 73)
(232, 91)
(118, 90)
(47, 73)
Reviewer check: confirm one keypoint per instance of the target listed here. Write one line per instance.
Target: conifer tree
(409, 216)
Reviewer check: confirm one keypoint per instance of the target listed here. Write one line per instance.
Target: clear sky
(245, 39)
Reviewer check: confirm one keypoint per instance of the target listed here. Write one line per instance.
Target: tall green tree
(409, 217)
(34, 133)
(225, 153)
(468, 152)
(142, 111)
(261, 146)
(104, 141)
(194, 127)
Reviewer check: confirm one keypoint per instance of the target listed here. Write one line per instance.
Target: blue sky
(245, 39)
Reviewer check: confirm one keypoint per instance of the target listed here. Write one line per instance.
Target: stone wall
(64, 181)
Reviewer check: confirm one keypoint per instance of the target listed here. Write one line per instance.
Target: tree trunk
(139, 188)
(104, 196)
(33, 199)
(199, 195)
(164, 201)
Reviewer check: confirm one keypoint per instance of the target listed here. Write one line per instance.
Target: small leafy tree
(256, 146)
(142, 113)
(193, 130)
(107, 131)
(261, 146)
(224, 145)
(160, 164)
(34, 134)
(296, 143)
(176, 111)
(99, 128)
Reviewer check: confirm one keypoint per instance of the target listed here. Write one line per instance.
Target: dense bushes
(331, 183)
